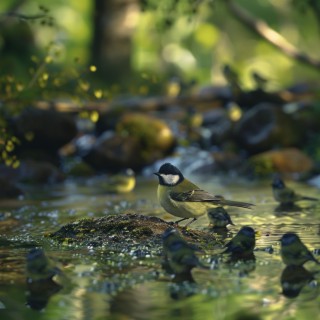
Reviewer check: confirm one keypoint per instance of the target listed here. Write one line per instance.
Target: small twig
(23, 16)
(36, 74)
(261, 28)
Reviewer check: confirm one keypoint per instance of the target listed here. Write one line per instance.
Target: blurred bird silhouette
(179, 255)
(285, 195)
(219, 217)
(41, 284)
(123, 182)
(259, 80)
(242, 244)
(40, 292)
(233, 80)
(39, 266)
(293, 251)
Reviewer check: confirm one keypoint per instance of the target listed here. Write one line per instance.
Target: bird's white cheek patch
(170, 179)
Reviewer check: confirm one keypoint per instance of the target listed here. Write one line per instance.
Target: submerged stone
(122, 232)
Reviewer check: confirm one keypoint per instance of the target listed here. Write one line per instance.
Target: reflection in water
(40, 271)
(293, 279)
(182, 287)
(283, 209)
(212, 294)
(221, 232)
(40, 291)
(179, 256)
(245, 264)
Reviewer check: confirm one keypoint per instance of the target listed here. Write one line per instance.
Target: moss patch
(123, 231)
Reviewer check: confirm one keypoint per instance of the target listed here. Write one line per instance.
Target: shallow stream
(100, 284)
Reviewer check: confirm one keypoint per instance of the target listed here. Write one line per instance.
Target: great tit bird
(179, 255)
(183, 199)
(219, 217)
(243, 243)
(293, 251)
(39, 266)
(285, 195)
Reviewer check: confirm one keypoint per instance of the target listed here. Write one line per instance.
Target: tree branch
(261, 28)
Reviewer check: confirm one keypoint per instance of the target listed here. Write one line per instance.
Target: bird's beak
(157, 173)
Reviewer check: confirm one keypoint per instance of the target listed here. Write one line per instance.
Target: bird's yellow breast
(181, 209)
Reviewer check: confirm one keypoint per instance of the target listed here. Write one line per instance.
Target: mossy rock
(285, 161)
(138, 140)
(120, 232)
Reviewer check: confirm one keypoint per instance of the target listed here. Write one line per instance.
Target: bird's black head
(169, 175)
(34, 254)
(169, 234)
(248, 232)
(278, 183)
(288, 238)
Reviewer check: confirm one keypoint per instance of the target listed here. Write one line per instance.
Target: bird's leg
(188, 224)
(181, 220)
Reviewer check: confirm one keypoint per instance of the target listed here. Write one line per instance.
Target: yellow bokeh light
(94, 116)
(235, 112)
(9, 146)
(48, 59)
(207, 35)
(98, 93)
(15, 164)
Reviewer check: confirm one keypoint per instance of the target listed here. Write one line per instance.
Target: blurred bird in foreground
(219, 217)
(293, 251)
(293, 279)
(180, 197)
(242, 244)
(285, 195)
(233, 79)
(39, 266)
(179, 255)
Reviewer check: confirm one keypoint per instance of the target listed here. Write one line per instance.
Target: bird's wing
(196, 195)
(304, 254)
(287, 194)
(238, 246)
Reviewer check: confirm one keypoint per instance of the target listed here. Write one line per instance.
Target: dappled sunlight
(179, 56)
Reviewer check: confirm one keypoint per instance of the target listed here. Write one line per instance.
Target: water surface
(100, 284)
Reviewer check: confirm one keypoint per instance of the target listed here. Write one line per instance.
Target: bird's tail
(309, 198)
(237, 204)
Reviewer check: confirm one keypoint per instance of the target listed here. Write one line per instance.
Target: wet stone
(127, 233)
